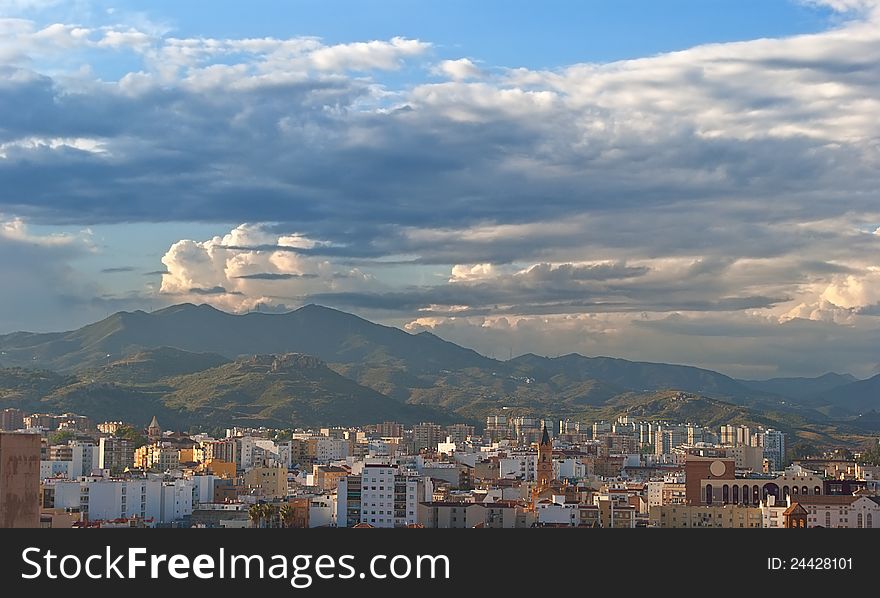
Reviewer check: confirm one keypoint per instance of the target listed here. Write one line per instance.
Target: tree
(286, 513)
(61, 437)
(871, 456)
(255, 514)
(802, 449)
(132, 434)
(270, 514)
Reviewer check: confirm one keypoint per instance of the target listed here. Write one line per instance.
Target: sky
(687, 181)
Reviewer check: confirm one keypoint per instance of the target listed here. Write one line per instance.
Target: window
(817, 491)
(869, 520)
(708, 494)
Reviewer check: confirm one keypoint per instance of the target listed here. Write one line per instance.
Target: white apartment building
(86, 457)
(380, 496)
(330, 449)
(55, 469)
(109, 498)
(518, 467)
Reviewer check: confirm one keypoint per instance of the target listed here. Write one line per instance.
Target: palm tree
(286, 513)
(255, 514)
(269, 513)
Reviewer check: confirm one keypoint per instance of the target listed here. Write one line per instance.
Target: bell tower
(544, 469)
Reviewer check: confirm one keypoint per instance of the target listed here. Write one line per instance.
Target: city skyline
(681, 185)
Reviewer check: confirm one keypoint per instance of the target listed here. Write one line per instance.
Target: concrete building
(691, 516)
(449, 515)
(108, 499)
(115, 453)
(774, 449)
(380, 496)
(11, 419)
(159, 456)
(266, 482)
(856, 511)
(19, 480)
(427, 435)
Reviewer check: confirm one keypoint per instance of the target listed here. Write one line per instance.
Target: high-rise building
(497, 428)
(115, 453)
(774, 449)
(390, 430)
(381, 497)
(11, 419)
(427, 435)
(459, 432)
(19, 480)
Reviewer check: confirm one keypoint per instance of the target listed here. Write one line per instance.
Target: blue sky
(685, 181)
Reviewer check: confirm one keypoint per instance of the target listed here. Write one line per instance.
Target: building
(544, 465)
(115, 453)
(267, 482)
(11, 419)
(774, 449)
(855, 511)
(154, 431)
(602, 513)
(459, 433)
(326, 477)
(427, 435)
(724, 516)
(19, 480)
(447, 515)
(222, 450)
(705, 478)
(158, 456)
(746, 457)
(381, 496)
(110, 428)
(108, 499)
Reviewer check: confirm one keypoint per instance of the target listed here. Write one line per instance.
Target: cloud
(274, 276)
(458, 70)
(731, 185)
(117, 270)
(249, 267)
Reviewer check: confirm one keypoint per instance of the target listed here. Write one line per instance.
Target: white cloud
(458, 70)
(250, 266)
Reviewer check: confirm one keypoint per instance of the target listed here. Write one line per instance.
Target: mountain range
(198, 364)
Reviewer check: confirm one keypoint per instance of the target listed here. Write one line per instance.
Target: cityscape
(503, 264)
(65, 470)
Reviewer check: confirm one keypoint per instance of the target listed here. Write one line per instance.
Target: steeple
(544, 466)
(154, 432)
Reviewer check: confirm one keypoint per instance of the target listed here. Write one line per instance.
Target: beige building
(502, 514)
(326, 477)
(267, 482)
(724, 516)
(746, 457)
(19, 480)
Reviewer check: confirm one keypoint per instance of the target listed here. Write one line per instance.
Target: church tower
(154, 432)
(544, 469)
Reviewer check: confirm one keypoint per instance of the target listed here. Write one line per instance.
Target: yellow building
(218, 467)
(159, 456)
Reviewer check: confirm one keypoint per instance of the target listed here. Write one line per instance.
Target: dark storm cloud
(212, 291)
(274, 276)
